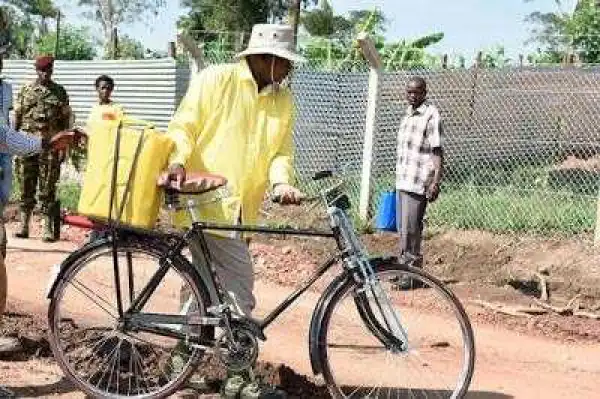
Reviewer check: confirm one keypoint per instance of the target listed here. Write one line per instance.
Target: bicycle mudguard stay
(316, 323)
(68, 262)
(81, 252)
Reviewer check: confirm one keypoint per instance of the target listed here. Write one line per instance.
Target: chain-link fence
(521, 146)
(521, 143)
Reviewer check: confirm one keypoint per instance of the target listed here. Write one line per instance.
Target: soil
(477, 265)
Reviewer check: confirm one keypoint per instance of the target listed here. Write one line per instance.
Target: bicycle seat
(195, 183)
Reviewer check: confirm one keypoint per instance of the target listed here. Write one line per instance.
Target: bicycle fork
(393, 335)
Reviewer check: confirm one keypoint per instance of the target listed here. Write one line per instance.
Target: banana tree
(403, 54)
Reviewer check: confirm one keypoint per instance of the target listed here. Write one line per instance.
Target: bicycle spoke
(116, 357)
(154, 351)
(99, 343)
(423, 371)
(102, 366)
(96, 303)
(131, 373)
(113, 360)
(146, 380)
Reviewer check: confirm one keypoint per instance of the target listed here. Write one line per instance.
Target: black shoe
(405, 283)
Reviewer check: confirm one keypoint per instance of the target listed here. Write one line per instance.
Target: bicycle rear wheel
(89, 340)
(362, 350)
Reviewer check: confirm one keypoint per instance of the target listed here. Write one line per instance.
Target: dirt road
(508, 364)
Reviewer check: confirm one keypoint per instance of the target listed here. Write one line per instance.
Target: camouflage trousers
(40, 171)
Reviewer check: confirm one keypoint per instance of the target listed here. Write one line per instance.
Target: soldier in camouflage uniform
(42, 109)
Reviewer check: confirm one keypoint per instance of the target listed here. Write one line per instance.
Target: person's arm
(9, 96)
(65, 110)
(281, 170)
(435, 132)
(18, 143)
(185, 126)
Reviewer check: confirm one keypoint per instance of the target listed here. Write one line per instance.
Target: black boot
(24, 230)
(404, 282)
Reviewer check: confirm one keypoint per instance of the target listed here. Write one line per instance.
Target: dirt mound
(590, 164)
(31, 332)
(278, 375)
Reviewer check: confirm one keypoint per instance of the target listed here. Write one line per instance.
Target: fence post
(597, 236)
(114, 41)
(172, 50)
(372, 56)
(195, 51)
(57, 42)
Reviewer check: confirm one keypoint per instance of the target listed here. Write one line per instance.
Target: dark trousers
(42, 172)
(410, 211)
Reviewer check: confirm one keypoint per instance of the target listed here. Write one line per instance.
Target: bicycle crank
(241, 354)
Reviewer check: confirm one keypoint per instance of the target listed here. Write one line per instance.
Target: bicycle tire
(381, 334)
(132, 243)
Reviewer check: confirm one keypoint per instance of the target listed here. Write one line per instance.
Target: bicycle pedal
(218, 310)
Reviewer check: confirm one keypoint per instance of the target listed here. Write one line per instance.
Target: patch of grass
(530, 198)
(67, 192)
(505, 209)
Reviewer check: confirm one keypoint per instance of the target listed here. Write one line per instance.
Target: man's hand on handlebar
(287, 195)
(176, 174)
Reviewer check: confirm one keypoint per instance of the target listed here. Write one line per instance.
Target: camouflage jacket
(42, 110)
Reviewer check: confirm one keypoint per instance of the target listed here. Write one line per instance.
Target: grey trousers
(233, 262)
(410, 211)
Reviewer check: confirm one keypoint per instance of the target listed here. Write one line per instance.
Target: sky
(468, 25)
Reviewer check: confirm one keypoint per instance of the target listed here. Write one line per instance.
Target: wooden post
(239, 42)
(479, 59)
(372, 56)
(57, 41)
(474, 85)
(172, 50)
(194, 50)
(520, 60)
(294, 13)
(114, 42)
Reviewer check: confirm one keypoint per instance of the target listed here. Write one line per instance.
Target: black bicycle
(134, 314)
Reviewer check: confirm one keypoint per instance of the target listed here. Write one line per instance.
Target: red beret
(43, 62)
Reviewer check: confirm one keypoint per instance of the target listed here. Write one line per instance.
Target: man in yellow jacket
(236, 120)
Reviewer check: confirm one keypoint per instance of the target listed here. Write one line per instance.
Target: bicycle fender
(66, 264)
(321, 308)
(316, 321)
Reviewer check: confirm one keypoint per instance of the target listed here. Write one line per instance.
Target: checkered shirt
(6, 101)
(420, 132)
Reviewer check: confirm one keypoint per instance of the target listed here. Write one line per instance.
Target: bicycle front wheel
(94, 346)
(392, 340)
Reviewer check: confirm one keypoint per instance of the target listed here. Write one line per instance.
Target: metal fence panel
(148, 89)
(522, 145)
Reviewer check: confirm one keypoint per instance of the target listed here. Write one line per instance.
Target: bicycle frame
(350, 253)
(194, 239)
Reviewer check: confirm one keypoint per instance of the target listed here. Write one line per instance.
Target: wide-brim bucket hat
(275, 39)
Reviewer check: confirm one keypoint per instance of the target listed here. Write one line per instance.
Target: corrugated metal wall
(148, 89)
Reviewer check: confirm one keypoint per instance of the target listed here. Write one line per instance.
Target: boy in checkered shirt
(418, 169)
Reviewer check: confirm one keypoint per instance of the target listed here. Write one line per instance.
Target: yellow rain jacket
(225, 126)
